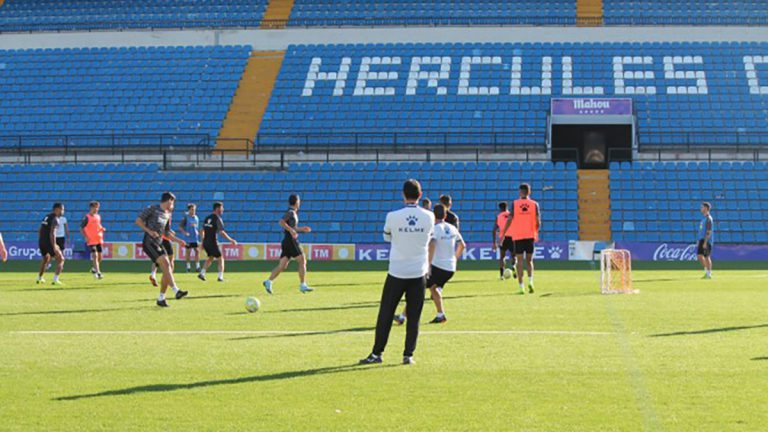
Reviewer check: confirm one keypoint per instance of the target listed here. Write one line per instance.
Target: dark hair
(446, 200)
(217, 205)
(439, 212)
(412, 189)
(190, 205)
(293, 199)
(93, 204)
(426, 202)
(167, 196)
(707, 205)
(502, 206)
(525, 187)
(57, 205)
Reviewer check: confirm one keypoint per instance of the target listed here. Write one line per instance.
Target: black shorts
(704, 248)
(524, 246)
(291, 248)
(439, 277)
(168, 247)
(507, 245)
(192, 245)
(61, 242)
(213, 250)
(153, 248)
(46, 248)
(95, 248)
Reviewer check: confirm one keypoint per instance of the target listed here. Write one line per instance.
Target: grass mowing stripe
(642, 394)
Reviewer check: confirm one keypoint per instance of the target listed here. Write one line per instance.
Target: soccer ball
(252, 304)
(507, 273)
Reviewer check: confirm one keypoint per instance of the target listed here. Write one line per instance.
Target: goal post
(616, 272)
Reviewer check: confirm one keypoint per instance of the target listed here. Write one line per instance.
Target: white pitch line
(297, 332)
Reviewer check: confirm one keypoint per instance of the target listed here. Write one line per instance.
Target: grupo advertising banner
(687, 251)
(475, 251)
(27, 250)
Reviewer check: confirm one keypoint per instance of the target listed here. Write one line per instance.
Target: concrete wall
(280, 39)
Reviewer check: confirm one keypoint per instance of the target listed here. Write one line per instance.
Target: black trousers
(394, 288)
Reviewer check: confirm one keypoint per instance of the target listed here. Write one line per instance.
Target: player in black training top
(47, 243)
(450, 217)
(291, 249)
(212, 227)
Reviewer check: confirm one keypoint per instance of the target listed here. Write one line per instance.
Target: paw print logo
(524, 207)
(412, 220)
(555, 252)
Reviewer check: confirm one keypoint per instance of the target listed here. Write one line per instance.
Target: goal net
(616, 272)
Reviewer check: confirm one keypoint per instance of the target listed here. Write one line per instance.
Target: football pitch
(683, 355)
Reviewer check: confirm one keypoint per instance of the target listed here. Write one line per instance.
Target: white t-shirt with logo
(60, 232)
(409, 231)
(445, 236)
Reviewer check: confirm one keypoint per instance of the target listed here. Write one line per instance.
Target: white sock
(154, 273)
(202, 271)
(175, 289)
(161, 297)
(530, 279)
(188, 266)
(440, 314)
(709, 272)
(55, 278)
(221, 275)
(521, 285)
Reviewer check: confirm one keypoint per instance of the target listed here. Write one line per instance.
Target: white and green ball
(252, 304)
(507, 273)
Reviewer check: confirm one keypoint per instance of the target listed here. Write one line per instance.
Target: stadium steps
(594, 205)
(277, 14)
(589, 12)
(250, 100)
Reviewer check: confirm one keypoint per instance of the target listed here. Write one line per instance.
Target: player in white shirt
(409, 231)
(3, 251)
(445, 254)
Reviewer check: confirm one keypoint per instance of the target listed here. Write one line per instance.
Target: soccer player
(165, 241)
(525, 223)
(409, 231)
(503, 240)
(62, 233)
(155, 221)
(189, 227)
(3, 250)
(93, 233)
(445, 250)
(450, 217)
(47, 243)
(213, 225)
(426, 204)
(291, 249)
(706, 239)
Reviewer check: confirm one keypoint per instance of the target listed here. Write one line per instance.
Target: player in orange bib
(93, 232)
(525, 223)
(503, 240)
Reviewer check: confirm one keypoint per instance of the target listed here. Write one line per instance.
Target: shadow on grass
(564, 295)
(760, 358)
(60, 289)
(327, 308)
(445, 297)
(710, 331)
(308, 333)
(659, 280)
(188, 298)
(159, 388)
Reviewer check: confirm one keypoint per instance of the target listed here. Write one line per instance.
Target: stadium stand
(659, 201)
(35, 15)
(431, 12)
(340, 211)
(184, 91)
(707, 94)
(685, 12)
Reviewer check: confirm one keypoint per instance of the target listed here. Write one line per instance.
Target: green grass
(683, 355)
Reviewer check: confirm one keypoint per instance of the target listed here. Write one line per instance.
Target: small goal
(616, 272)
